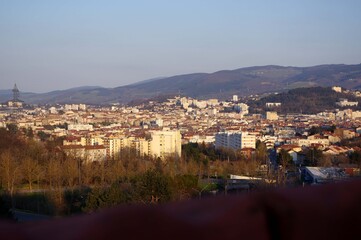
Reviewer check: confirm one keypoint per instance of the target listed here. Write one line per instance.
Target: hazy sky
(58, 44)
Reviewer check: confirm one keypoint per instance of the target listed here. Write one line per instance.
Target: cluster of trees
(303, 100)
(69, 184)
(205, 153)
(354, 157)
(149, 187)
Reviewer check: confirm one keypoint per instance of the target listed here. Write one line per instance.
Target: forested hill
(303, 100)
(221, 84)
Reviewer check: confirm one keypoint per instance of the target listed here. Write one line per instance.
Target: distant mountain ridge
(221, 84)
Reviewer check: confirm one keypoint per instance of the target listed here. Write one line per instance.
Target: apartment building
(162, 144)
(235, 140)
(345, 103)
(115, 144)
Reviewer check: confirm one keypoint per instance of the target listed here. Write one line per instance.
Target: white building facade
(162, 144)
(235, 140)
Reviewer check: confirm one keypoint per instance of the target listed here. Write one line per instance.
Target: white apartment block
(273, 104)
(346, 103)
(235, 140)
(159, 144)
(235, 98)
(162, 144)
(80, 127)
(202, 139)
(75, 107)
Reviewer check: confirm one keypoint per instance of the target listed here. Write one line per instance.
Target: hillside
(247, 81)
(303, 100)
(221, 84)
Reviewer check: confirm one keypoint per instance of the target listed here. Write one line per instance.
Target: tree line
(65, 184)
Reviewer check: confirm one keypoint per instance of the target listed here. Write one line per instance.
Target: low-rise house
(311, 140)
(294, 151)
(86, 153)
(333, 138)
(95, 153)
(73, 140)
(337, 150)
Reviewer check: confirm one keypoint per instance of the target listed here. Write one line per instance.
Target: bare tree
(30, 170)
(261, 152)
(70, 173)
(54, 175)
(100, 172)
(116, 170)
(87, 173)
(9, 171)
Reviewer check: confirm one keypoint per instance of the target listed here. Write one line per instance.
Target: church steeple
(16, 93)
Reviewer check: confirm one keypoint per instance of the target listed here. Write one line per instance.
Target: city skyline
(47, 45)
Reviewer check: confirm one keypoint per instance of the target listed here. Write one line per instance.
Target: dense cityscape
(72, 158)
(180, 119)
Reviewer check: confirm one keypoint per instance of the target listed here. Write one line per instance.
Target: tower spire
(16, 93)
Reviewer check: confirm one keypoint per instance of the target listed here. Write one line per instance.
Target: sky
(48, 45)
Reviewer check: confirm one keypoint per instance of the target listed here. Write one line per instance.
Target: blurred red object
(322, 212)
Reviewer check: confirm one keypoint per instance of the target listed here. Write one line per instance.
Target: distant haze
(51, 45)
